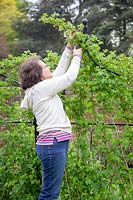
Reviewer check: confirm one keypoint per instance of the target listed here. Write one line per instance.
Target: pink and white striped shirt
(47, 138)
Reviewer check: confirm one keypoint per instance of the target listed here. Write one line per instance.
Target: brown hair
(30, 72)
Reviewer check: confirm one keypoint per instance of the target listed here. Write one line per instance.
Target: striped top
(47, 138)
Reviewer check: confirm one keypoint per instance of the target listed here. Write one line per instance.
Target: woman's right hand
(77, 52)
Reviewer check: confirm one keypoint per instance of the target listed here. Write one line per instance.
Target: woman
(41, 87)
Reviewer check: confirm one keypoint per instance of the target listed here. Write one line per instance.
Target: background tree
(36, 36)
(8, 13)
(4, 49)
(111, 21)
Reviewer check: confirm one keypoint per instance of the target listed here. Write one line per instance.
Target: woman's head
(33, 71)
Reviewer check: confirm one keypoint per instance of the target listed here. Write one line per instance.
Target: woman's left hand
(71, 37)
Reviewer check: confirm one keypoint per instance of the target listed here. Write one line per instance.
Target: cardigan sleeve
(63, 63)
(54, 85)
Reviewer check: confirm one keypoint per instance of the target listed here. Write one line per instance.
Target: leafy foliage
(98, 156)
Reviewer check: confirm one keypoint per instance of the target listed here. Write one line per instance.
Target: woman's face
(46, 73)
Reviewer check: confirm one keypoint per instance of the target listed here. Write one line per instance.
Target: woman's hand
(71, 37)
(77, 52)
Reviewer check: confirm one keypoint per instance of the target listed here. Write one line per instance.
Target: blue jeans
(53, 159)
